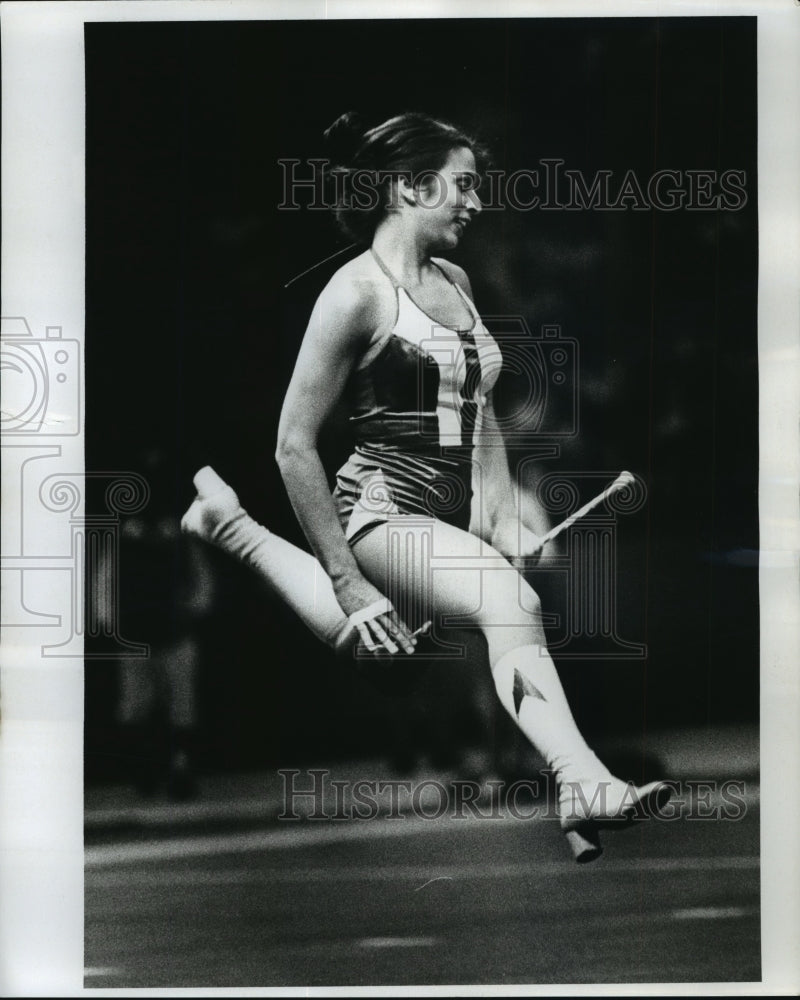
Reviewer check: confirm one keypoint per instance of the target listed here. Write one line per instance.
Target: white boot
(217, 517)
(589, 796)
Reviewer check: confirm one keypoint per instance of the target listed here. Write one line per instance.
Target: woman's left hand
(516, 542)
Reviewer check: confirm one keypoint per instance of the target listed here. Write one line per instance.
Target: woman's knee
(507, 599)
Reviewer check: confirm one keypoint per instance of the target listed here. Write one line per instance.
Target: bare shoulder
(356, 299)
(454, 273)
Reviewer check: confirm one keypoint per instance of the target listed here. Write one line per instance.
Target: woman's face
(447, 199)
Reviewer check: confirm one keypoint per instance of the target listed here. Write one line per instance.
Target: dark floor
(409, 901)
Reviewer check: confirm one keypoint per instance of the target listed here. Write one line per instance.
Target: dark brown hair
(363, 163)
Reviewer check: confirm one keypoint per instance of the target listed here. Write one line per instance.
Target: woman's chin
(450, 239)
(445, 239)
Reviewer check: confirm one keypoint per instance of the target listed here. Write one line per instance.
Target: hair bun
(343, 138)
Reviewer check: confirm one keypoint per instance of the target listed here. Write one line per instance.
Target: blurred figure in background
(165, 591)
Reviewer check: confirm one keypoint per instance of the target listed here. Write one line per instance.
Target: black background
(191, 336)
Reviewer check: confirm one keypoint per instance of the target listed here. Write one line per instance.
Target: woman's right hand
(381, 629)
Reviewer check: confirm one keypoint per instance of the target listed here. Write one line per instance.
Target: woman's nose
(474, 202)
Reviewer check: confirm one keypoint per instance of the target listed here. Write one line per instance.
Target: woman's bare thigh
(430, 569)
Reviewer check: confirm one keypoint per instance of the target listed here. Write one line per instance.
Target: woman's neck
(402, 249)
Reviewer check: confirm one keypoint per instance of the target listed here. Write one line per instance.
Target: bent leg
(424, 565)
(216, 516)
(466, 580)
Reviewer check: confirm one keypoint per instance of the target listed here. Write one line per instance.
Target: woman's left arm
(496, 515)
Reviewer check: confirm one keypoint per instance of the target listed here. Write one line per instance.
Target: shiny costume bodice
(415, 399)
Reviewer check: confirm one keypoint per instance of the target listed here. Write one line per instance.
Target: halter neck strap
(384, 268)
(395, 282)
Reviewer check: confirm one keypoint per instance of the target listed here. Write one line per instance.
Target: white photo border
(43, 202)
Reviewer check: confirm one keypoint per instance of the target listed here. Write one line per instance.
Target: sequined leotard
(416, 399)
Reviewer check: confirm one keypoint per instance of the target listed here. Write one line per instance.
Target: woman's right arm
(341, 323)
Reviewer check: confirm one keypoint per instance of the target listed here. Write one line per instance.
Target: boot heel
(584, 844)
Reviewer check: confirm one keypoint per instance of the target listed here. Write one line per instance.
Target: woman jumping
(424, 510)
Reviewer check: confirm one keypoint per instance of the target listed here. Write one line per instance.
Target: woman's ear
(405, 191)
